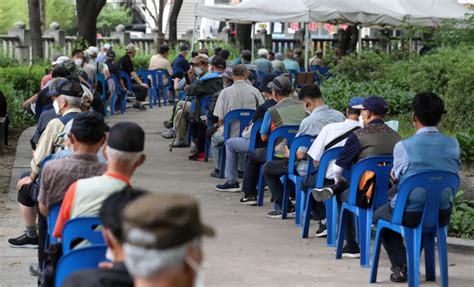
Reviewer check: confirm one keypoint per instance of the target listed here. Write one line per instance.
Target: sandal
(399, 274)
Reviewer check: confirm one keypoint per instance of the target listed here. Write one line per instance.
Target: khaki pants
(182, 129)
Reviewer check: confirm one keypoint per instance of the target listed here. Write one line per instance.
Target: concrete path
(250, 249)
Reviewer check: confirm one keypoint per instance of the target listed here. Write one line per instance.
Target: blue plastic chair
(116, 96)
(434, 183)
(284, 132)
(260, 76)
(243, 117)
(81, 228)
(78, 259)
(145, 75)
(103, 83)
(381, 166)
(160, 87)
(254, 133)
(51, 222)
(331, 204)
(298, 142)
(293, 75)
(203, 109)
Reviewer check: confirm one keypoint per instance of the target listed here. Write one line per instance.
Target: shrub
(466, 143)
(462, 218)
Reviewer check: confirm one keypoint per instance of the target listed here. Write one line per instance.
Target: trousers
(252, 171)
(234, 146)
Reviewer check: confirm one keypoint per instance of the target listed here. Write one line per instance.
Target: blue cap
(355, 101)
(376, 105)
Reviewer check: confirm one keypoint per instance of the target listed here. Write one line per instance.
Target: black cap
(376, 105)
(268, 78)
(67, 87)
(89, 127)
(218, 62)
(127, 137)
(183, 48)
(110, 54)
(280, 84)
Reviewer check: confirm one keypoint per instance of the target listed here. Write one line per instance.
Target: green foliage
(368, 66)
(12, 11)
(466, 142)
(110, 16)
(339, 90)
(63, 12)
(462, 218)
(453, 33)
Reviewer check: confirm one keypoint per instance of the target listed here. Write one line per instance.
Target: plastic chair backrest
(143, 74)
(326, 158)
(381, 166)
(103, 82)
(301, 141)
(46, 159)
(158, 78)
(254, 133)
(78, 259)
(126, 78)
(286, 132)
(313, 68)
(51, 220)
(204, 103)
(243, 116)
(81, 228)
(433, 182)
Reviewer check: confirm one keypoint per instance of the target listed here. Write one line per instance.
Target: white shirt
(325, 136)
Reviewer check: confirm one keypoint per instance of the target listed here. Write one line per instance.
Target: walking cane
(179, 121)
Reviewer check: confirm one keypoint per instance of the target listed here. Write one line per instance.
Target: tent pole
(252, 36)
(194, 28)
(359, 41)
(306, 45)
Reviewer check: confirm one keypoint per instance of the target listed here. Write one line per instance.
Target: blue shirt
(180, 64)
(266, 123)
(291, 65)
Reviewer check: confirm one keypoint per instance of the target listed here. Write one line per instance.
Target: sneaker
(197, 156)
(322, 194)
(228, 187)
(139, 106)
(34, 269)
(169, 134)
(180, 143)
(249, 200)
(291, 211)
(168, 124)
(399, 274)
(274, 214)
(240, 174)
(322, 230)
(215, 173)
(23, 241)
(350, 251)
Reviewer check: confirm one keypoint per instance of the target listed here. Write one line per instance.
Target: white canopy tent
(358, 12)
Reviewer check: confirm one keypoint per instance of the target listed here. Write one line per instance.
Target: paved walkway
(249, 250)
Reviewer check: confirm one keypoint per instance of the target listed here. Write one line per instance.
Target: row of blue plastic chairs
(433, 182)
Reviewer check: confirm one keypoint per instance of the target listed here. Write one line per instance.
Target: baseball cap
(183, 48)
(356, 101)
(107, 46)
(162, 221)
(280, 83)
(130, 48)
(200, 58)
(92, 50)
(88, 127)
(110, 54)
(227, 73)
(265, 81)
(127, 137)
(218, 62)
(60, 60)
(376, 105)
(66, 87)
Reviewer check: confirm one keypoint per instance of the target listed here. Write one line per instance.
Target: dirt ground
(7, 159)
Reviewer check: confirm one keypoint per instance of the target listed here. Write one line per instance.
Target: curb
(460, 244)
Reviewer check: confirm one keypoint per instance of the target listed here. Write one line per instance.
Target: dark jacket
(118, 276)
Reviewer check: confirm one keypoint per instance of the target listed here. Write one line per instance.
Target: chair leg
(307, 216)
(364, 237)
(299, 206)
(150, 97)
(260, 188)
(285, 198)
(331, 219)
(342, 232)
(376, 256)
(222, 161)
(430, 258)
(443, 255)
(413, 244)
(165, 97)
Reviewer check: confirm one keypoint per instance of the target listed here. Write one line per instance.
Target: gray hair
(279, 56)
(240, 71)
(146, 263)
(72, 102)
(122, 156)
(262, 52)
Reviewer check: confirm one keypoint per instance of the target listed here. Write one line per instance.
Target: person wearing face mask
(66, 101)
(77, 57)
(112, 273)
(427, 149)
(375, 138)
(319, 115)
(139, 88)
(163, 234)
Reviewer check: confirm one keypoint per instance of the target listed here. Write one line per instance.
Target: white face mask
(78, 62)
(361, 121)
(198, 70)
(56, 107)
(198, 270)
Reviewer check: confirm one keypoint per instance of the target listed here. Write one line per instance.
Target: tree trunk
(87, 13)
(244, 39)
(35, 27)
(173, 22)
(42, 4)
(161, 35)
